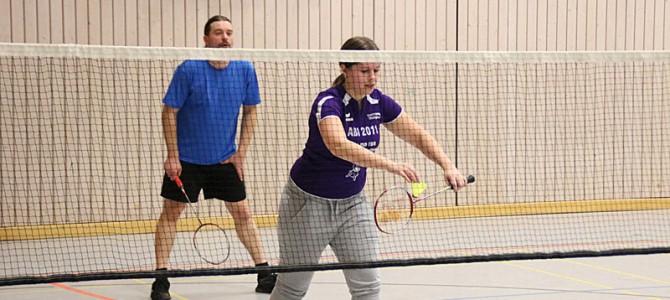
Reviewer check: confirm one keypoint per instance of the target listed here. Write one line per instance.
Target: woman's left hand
(454, 178)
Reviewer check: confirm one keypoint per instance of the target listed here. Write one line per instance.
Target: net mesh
(569, 151)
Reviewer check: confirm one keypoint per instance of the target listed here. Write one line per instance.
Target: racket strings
(209, 240)
(211, 243)
(393, 210)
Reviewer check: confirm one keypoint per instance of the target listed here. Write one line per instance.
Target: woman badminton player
(323, 202)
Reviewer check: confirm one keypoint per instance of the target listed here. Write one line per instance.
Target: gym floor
(613, 277)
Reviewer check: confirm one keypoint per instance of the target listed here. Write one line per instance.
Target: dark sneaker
(266, 284)
(160, 289)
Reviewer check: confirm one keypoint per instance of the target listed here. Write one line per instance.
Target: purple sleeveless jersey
(318, 171)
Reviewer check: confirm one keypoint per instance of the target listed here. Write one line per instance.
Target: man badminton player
(323, 202)
(201, 108)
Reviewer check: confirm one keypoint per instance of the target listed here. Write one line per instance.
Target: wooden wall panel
(611, 26)
(117, 21)
(167, 23)
(532, 25)
(368, 18)
(522, 35)
(639, 23)
(556, 33)
(489, 25)
(648, 29)
(5, 20)
(94, 24)
(325, 28)
(451, 29)
(314, 29)
(352, 13)
(303, 24)
(658, 24)
(259, 18)
(389, 36)
(410, 26)
(43, 20)
(590, 22)
(129, 21)
(398, 25)
(30, 25)
(420, 15)
(143, 25)
(191, 28)
(17, 29)
(474, 25)
(56, 24)
(346, 23)
(496, 19)
(201, 15)
(430, 22)
(179, 23)
(335, 23)
(292, 25)
(69, 22)
(108, 27)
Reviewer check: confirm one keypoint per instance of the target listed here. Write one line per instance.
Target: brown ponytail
(338, 81)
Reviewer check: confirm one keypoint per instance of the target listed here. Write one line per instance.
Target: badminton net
(570, 151)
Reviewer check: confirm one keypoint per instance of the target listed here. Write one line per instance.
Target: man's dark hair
(208, 25)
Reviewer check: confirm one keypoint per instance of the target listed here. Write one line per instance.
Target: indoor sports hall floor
(615, 277)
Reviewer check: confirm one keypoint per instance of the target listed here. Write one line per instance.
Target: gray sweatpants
(308, 223)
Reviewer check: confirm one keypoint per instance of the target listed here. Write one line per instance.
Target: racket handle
(177, 180)
(471, 179)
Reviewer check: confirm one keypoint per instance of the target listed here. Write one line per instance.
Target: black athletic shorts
(219, 181)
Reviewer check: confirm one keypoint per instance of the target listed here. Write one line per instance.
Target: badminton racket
(395, 206)
(209, 239)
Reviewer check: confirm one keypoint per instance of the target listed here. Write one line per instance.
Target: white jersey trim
(320, 105)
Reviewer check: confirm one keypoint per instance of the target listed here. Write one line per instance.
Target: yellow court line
(587, 282)
(538, 208)
(616, 271)
(30, 232)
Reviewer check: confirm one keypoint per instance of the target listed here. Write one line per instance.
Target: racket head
(212, 243)
(393, 210)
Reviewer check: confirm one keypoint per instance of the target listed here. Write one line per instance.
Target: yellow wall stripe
(189, 224)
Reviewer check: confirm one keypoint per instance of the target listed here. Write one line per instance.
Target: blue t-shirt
(318, 171)
(209, 103)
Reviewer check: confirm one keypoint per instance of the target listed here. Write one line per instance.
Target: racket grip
(471, 179)
(177, 180)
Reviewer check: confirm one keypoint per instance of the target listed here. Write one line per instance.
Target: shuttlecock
(418, 188)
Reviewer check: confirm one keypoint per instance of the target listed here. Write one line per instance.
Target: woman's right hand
(405, 171)
(172, 167)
